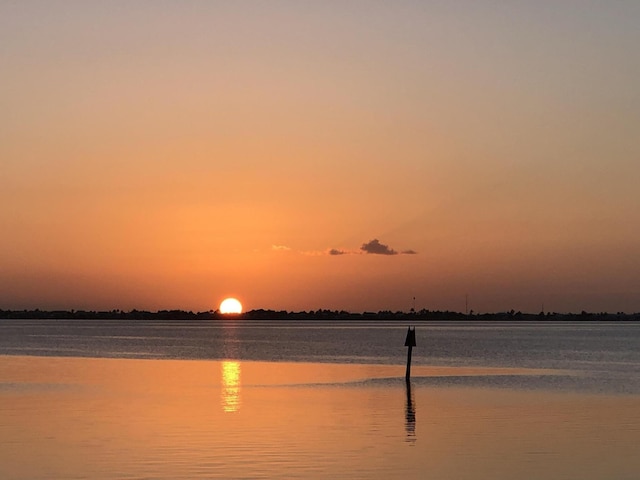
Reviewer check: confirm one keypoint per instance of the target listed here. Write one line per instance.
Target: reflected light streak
(230, 386)
(410, 416)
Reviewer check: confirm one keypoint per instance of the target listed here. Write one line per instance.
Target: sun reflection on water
(230, 386)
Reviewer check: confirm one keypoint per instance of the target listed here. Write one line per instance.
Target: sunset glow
(156, 154)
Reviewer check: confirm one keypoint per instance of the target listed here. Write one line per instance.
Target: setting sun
(230, 305)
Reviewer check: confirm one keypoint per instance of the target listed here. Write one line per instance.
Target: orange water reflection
(230, 392)
(111, 418)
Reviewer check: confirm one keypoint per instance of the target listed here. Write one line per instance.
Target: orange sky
(167, 154)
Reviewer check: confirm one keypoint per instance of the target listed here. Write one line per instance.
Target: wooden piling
(410, 342)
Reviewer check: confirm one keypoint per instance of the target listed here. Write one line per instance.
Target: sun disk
(230, 305)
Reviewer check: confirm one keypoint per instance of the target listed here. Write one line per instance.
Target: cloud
(373, 247)
(377, 248)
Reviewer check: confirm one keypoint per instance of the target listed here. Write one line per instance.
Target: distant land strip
(261, 314)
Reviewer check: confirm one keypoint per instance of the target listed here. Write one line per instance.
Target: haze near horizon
(305, 155)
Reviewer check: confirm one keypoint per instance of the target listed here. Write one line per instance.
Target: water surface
(218, 400)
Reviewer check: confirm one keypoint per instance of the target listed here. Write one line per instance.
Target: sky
(306, 155)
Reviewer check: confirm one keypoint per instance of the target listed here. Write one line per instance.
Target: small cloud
(377, 248)
(373, 247)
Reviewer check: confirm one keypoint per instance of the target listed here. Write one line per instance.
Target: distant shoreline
(422, 315)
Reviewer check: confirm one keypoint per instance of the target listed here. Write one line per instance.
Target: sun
(230, 305)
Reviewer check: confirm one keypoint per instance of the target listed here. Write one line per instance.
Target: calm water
(318, 400)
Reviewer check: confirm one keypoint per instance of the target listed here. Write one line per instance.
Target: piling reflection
(230, 386)
(410, 416)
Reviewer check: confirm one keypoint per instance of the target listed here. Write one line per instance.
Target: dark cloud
(377, 248)
(335, 251)
(409, 252)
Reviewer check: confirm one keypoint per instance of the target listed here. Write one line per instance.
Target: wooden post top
(410, 341)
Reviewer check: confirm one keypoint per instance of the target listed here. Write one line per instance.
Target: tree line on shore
(262, 314)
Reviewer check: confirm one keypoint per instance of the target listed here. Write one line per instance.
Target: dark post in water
(410, 342)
